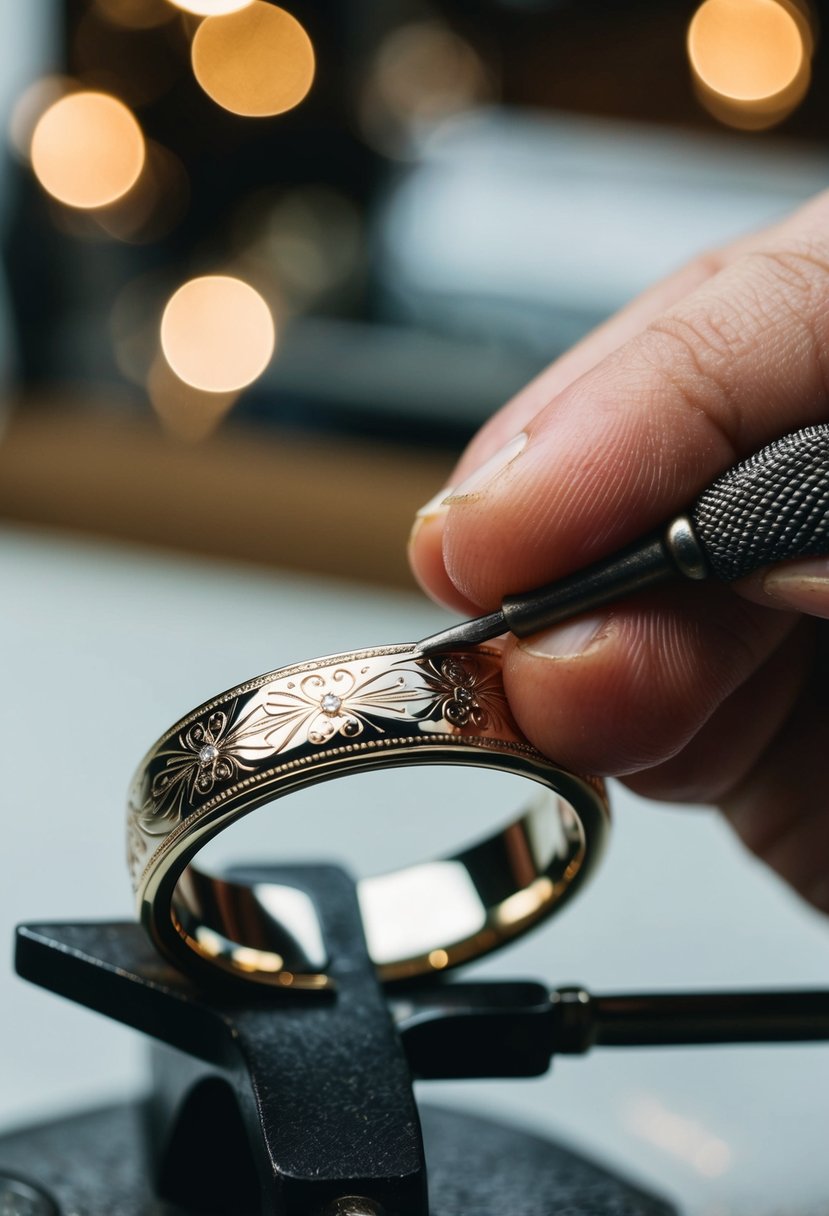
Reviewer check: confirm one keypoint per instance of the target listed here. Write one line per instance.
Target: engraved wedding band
(370, 709)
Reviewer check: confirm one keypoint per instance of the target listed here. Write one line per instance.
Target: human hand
(696, 692)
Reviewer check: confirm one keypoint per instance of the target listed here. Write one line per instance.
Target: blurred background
(262, 273)
(262, 246)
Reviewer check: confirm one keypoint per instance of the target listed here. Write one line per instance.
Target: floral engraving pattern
(340, 701)
(279, 719)
(210, 751)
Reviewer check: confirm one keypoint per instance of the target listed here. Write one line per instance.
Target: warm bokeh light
(750, 59)
(210, 8)
(256, 62)
(87, 150)
(188, 413)
(217, 333)
(745, 49)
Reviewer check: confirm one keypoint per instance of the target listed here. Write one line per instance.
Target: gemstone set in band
(370, 709)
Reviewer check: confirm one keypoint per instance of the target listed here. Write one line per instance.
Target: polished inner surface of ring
(370, 709)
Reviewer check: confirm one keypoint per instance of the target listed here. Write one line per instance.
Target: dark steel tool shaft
(769, 508)
(677, 1019)
(514, 1028)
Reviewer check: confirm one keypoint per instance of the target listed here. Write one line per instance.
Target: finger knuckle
(700, 350)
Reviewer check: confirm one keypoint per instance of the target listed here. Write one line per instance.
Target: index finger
(425, 543)
(735, 363)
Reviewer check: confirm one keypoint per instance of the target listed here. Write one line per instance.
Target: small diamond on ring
(331, 703)
(208, 754)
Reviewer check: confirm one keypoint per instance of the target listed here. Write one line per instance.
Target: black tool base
(285, 1103)
(92, 1164)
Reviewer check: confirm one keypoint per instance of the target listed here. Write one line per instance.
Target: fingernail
(803, 586)
(568, 641)
(488, 471)
(433, 509)
(434, 506)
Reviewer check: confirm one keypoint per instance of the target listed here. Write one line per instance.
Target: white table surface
(101, 648)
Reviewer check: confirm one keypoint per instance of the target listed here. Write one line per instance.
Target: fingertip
(426, 558)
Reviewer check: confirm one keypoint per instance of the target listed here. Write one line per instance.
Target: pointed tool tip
(461, 637)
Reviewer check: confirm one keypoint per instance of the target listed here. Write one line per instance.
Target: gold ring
(291, 728)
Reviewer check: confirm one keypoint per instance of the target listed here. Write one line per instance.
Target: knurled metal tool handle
(772, 507)
(769, 508)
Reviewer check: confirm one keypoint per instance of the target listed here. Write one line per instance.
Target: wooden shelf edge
(333, 506)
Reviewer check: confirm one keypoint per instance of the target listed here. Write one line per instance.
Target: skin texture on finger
(625, 324)
(655, 673)
(602, 341)
(426, 539)
(584, 356)
(726, 749)
(735, 364)
(704, 342)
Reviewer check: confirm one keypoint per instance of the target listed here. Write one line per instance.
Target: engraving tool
(768, 508)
